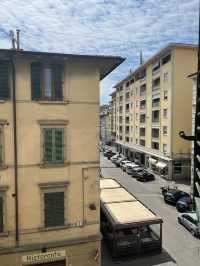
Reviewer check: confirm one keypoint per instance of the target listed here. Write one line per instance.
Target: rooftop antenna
(15, 40)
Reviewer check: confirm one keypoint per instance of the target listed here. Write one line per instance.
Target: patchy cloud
(110, 27)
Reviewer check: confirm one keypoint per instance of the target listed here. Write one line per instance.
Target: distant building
(49, 158)
(105, 124)
(151, 106)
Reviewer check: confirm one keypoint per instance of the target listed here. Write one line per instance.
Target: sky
(100, 27)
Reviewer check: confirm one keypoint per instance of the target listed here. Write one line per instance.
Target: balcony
(142, 142)
(155, 145)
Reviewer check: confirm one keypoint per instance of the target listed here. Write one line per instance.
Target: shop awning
(161, 165)
(152, 161)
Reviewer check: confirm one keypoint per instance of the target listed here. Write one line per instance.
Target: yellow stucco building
(49, 157)
(151, 106)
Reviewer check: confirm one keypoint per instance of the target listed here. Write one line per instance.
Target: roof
(129, 212)
(108, 183)
(122, 208)
(160, 53)
(115, 195)
(106, 63)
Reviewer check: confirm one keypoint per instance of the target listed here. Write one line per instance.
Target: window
(155, 116)
(165, 130)
(1, 214)
(142, 142)
(53, 145)
(1, 146)
(165, 96)
(155, 145)
(177, 167)
(156, 66)
(156, 83)
(166, 76)
(165, 113)
(164, 148)
(127, 139)
(142, 118)
(127, 83)
(46, 81)
(136, 117)
(155, 132)
(136, 140)
(166, 59)
(54, 209)
(4, 80)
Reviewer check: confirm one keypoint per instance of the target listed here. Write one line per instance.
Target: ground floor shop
(84, 254)
(170, 168)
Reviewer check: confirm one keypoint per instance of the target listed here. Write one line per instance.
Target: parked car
(145, 176)
(106, 152)
(114, 158)
(119, 160)
(130, 167)
(136, 171)
(184, 204)
(190, 221)
(173, 195)
(123, 163)
(166, 188)
(111, 154)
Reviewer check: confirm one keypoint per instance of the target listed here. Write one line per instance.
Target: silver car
(130, 167)
(190, 221)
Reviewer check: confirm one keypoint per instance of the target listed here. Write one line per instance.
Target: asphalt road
(179, 246)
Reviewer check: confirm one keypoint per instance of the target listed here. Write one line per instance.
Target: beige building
(152, 105)
(49, 157)
(105, 137)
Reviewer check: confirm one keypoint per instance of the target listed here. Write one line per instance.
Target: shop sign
(32, 259)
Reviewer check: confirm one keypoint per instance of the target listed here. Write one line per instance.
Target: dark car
(110, 154)
(184, 204)
(173, 195)
(136, 171)
(145, 176)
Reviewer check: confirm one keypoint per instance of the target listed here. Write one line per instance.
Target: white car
(119, 160)
(130, 166)
(114, 158)
(124, 163)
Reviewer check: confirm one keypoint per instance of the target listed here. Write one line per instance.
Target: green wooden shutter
(36, 69)
(58, 145)
(48, 145)
(57, 82)
(54, 209)
(1, 214)
(4, 80)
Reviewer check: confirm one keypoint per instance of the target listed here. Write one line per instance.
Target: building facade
(49, 158)
(153, 104)
(105, 137)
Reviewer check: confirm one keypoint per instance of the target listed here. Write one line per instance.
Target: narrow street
(179, 246)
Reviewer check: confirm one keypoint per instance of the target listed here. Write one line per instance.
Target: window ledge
(53, 102)
(55, 228)
(4, 234)
(54, 165)
(3, 101)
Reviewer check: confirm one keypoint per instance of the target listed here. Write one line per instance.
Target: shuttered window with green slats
(1, 147)
(1, 214)
(46, 81)
(53, 145)
(4, 80)
(54, 209)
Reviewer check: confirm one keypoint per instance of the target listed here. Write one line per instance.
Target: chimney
(18, 40)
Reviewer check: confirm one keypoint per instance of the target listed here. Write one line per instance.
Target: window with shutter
(54, 209)
(53, 145)
(4, 80)
(36, 80)
(46, 81)
(1, 214)
(57, 82)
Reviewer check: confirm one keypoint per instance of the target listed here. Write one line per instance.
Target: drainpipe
(15, 150)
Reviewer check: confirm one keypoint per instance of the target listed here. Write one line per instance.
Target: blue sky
(108, 27)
